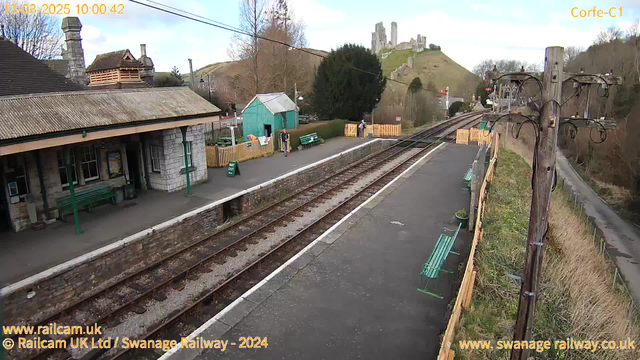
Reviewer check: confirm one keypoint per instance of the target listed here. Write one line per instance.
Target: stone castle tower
(378, 38)
(74, 55)
(394, 34)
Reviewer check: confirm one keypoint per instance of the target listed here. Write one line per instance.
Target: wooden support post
(545, 165)
(466, 302)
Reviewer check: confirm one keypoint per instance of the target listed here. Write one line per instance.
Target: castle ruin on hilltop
(379, 40)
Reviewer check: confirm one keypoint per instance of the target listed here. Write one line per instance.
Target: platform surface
(28, 252)
(355, 295)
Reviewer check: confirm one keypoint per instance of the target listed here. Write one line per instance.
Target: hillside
(432, 66)
(233, 68)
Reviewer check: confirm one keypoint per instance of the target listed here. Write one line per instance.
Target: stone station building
(120, 138)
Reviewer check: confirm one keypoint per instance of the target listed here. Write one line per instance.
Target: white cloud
(480, 6)
(315, 14)
(167, 47)
(470, 41)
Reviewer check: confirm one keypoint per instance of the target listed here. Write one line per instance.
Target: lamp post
(297, 97)
(208, 86)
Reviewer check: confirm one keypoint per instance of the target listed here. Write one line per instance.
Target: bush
(324, 129)
(459, 106)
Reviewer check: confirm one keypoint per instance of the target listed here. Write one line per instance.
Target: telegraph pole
(545, 164)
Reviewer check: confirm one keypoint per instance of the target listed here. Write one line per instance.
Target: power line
(223, 26)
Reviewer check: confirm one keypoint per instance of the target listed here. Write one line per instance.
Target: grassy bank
(577, 299)
(617, 197)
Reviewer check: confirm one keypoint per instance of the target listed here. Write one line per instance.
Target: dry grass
(596, 311)
(578, 299)
(613, 194)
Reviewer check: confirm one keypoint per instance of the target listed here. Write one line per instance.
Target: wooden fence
(464, 136)
(220, 156)
(463, 300)
(379, 130)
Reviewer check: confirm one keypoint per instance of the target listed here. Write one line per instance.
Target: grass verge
(577, 298)
(615, 196)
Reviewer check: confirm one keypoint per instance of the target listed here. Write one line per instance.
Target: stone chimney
(147, 74)
(74, 54)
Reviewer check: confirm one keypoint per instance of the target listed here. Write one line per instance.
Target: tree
(571, 53)
(281, 67)
(173, 79)
(416, 85)
(413, 101)
(612, 34)
(246, 48)
(37, 34)
(458, 106)
(504, 66)
(434, 47)
(343, 91)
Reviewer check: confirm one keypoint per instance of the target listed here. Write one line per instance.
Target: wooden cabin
(119, 70)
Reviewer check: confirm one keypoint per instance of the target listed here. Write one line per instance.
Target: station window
(189, 156)
(156, 155)
(62, 169)
(89, 160)
(17, 183)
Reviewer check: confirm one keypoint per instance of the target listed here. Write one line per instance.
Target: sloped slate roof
(274, 102)
(31, 115)
(21, 73)
(113, 60)
(59, 65)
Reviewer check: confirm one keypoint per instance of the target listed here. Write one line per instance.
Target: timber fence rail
(221, 156)
(463, 300)
(379, 130)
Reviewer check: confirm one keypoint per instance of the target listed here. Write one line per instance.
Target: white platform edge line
(229, 307)
(9, 289)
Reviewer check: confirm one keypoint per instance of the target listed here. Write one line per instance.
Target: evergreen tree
(341, 90)
(173, 79)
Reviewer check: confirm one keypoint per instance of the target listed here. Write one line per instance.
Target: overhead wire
(220, 25)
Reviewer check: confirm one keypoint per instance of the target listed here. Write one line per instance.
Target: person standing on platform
(361, 127)
(285, 141)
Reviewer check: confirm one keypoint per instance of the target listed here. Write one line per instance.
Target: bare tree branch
(37, 34)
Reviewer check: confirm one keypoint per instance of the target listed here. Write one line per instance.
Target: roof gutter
(91, 134)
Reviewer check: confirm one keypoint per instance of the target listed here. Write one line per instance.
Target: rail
(258, 265)
(358, 168)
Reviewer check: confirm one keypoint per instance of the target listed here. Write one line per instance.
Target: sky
(467, 31)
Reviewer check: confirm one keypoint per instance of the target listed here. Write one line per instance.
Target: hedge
(324, 129)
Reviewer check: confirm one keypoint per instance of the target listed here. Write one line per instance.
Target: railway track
(174, 272)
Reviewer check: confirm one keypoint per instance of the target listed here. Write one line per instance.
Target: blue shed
(267, 113)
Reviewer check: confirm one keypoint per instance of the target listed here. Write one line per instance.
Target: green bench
(309, 140)
(224, 142)
(84, 198)
(468, 175)
(432, 268)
